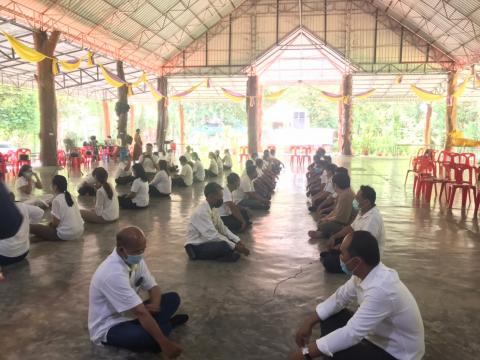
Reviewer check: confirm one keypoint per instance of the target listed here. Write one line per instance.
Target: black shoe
(178, 320)
(190, 252)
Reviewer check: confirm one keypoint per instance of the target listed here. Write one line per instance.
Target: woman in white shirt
(198, 170)
(219, 161)
(138, 197)
(106, 203)
(212, 170)
(67, 223)
(227, 160)
(161, 185)
(25, 185)
(123, 174)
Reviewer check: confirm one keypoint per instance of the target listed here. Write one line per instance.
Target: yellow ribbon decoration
(426, 95)
(90, 61)
(461, 88)
(23, 51)
(54, 67)
(456, 138)
(275, 95)
(186, 92)
(365, 95)
(109, 79)
(154, 92)
(68, 66)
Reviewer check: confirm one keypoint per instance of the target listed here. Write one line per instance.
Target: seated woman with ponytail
(106, 204)
(67, 223)
(138, 197)
(161, 185)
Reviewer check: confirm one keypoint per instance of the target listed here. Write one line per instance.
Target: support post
(162, 112)
(427, 131)
(122, 107)
(181, 115)
(451, 113)
(106, 118)
(132, 121)
(254, 111)
(46, 97)
(347, 115)
(340, 124)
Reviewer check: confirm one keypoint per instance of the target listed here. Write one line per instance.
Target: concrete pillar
(181, 115)
(46, 97)
(254, 112)
(428, 129)
(122, 107)
(347, 115)
(451, 113)
(162, 112)
(340, 124)
(132, 121)
(106, 118)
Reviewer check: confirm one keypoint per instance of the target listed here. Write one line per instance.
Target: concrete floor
(250, 309)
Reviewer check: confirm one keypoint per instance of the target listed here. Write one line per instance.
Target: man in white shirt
(149, 162)
(207, 237)
(368, 219)
(227, 160)
(234, 217)
(246, 195)
(123, 173)
(198, 169)
(117, 316)
(387, 324)
(185, 178)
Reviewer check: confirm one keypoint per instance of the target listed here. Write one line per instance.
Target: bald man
(117, 316)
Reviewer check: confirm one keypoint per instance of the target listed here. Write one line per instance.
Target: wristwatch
(306, 353)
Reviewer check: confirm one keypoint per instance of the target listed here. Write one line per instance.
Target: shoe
(178, 320)
(190, 252)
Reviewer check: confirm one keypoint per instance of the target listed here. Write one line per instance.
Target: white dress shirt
(224, 210)
(220, 165)
(148, 163)
(114, 290)
(388, 316)
(198, 171)
(107, 208)
(206, 225)
(372, 222)
(213, 166)
(162, 182)
(187, 174)
(140, 188)
(227, 160)
(246, 186)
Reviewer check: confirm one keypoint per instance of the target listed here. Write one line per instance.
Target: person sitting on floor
(15, 248)
(161, 185)
(219, 162)
(212, 170)
(106, 202)
(276, 164)
(27, 181)
(246, 196)
(227, 160)
(233, 216)
(198, 170)
(368, 219)
(67, 222)
(387, 324)
(171, 161)
(207, 237)
(264, 183)
(342, 213)
(185, 178)
(87, 186)
(123, 174)
(117, 315)
(138, 197)
(325, 190)
(188, 153)
(149, 162)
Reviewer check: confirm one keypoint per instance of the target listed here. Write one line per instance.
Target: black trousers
(153, 191)
(363, 350)
(213, 250)
(85, 189)
(232, 223)
(331, 261)
(5, 260)
(127, 203)
(178, 181)
(124, 180)
(208, 173)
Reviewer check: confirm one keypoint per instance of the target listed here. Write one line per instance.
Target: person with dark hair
(212, 170)
(368, 219)
(325, 188)
(123, 174)
(149, 162)
(387, 324)
(264, 184)
(161, 185)
(87, 186)
(138, 197)
(188, 153)
(27, 181)
(227, 160)
(233, 216)
(67, 223)
(198, 170)
(138, 146)
(106, 203)
(276, 164)
(117, 315)
(327, 205)
(207, 237)
(246, 196)
(12, 218)
(219, 162)
(341, 215)
(185, 178)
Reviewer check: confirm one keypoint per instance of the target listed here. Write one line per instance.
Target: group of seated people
(386, 325)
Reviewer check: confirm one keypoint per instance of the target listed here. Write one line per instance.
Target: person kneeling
(207, 237)
(138, 197)
(117, 316)
(387, 324)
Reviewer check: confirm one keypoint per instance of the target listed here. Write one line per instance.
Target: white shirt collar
(371, 277)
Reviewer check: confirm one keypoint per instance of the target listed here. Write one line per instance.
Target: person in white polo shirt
(368, 219)
(234, 217)
(387, 324)
(246, 195)
(117, 316)
(149, 162)
(198, 169)
(185, 178)
(227, 160)
(138, 197)
(212, 170)
(161, 185)
(207, 237)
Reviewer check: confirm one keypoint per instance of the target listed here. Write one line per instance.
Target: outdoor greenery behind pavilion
(378, 126)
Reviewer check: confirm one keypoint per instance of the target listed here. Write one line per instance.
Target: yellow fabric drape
(155, 93)
(90, 60)
(142, 79)
(182, 94)
(70, 66)
(456, 138)
(115, 83)
(461, 88)
(25, 53)
(233, 96)
(331, 97)
(275, 95)
(365, 95)
(55, 67)
(426, 95)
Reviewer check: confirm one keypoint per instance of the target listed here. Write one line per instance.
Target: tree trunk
(428, 120)
(132, 121)
(451, 113)
(347, 115)
(46, 97)
(106, 118)
(254, 111)
(121, 107)
(162, 112)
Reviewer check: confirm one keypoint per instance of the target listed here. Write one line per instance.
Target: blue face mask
(345, 269)
(355, 204)
(134, 259)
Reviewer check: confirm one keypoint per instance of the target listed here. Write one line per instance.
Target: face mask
(355, 204)
(345, 269)
(134, 259)
(218, 203)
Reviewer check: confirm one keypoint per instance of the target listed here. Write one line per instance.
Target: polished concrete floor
(250, 309)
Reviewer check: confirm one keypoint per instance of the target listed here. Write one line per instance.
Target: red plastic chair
(75, 158)
(477, 196)
(3, 166)
(88, 155)
(424, 169)
(307, 155)
(61, 158)
(22, 157)
(294, 156)
(463, 182)
(243, 153)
